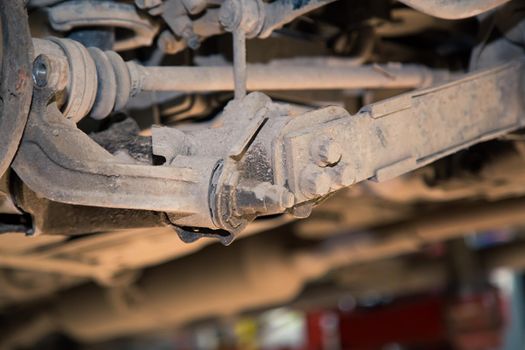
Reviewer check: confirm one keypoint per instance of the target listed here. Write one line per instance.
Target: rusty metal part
(80, 13)
(244, 18)
(261, 153)
(52, 218)
(116, 81)
(84, 173)
(181, 188)
(15, 85)
(290, 77)
(247, 16)
(239, 63)
(453, 121)
(281, 12)
(177, 13)
(86, 80)
(454, 9)
(259, 19)
(251, 17)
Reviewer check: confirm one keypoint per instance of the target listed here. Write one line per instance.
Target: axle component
(96, 83)
(260, 158)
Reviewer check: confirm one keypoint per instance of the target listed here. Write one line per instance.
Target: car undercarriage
(164, 162)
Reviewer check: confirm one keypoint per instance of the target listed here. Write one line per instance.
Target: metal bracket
(257, 159)
(403, 133)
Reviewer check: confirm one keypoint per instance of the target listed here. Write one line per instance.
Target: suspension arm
(325, 150)
(395, 136)
(261, 158)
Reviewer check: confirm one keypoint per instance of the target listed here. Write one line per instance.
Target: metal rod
(239, 63)
(264, 77)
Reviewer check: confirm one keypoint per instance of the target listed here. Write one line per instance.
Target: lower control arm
(260, 158)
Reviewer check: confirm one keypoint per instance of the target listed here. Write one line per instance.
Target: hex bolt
(343, 175)
(41, 71)
(167, 43)
(315, 182)
(50, 72)
(265, 198)
(287, 199)
(326, 152)
(230, 15)
(192, 39)
(245, 15)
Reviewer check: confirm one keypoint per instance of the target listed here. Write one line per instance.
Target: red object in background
(477, 321)
(323, 330)
(425, 322)
(415, 322)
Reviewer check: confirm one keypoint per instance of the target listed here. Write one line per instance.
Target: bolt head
(276, 196)
(265, 198)
(230, 14)
(315, 182)
(343, 175)
(193, 42)
(41, 71)
(287, 199)
(326, 152)
(169, 44)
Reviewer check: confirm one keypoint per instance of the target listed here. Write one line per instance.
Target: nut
(230, 15)
(265, 198)
(246, 15)
(51, 72)
(326, 152)
(41, 71)
(315, 182)
(274, 196)
(192, 39)
(167, 43)
(287, 199)
(343, 175)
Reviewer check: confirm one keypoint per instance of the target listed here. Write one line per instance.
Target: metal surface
(76, 170)
(263, 161)
(454, 9)
(384, 140)
(283, 76)
(101, 82)
(403, 133)
(103, 203)
(15, 85)
(281, 12)
(77, 14)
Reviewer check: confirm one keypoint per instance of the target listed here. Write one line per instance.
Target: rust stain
(22, 80)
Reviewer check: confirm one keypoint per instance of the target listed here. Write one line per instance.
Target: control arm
(261, 158)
